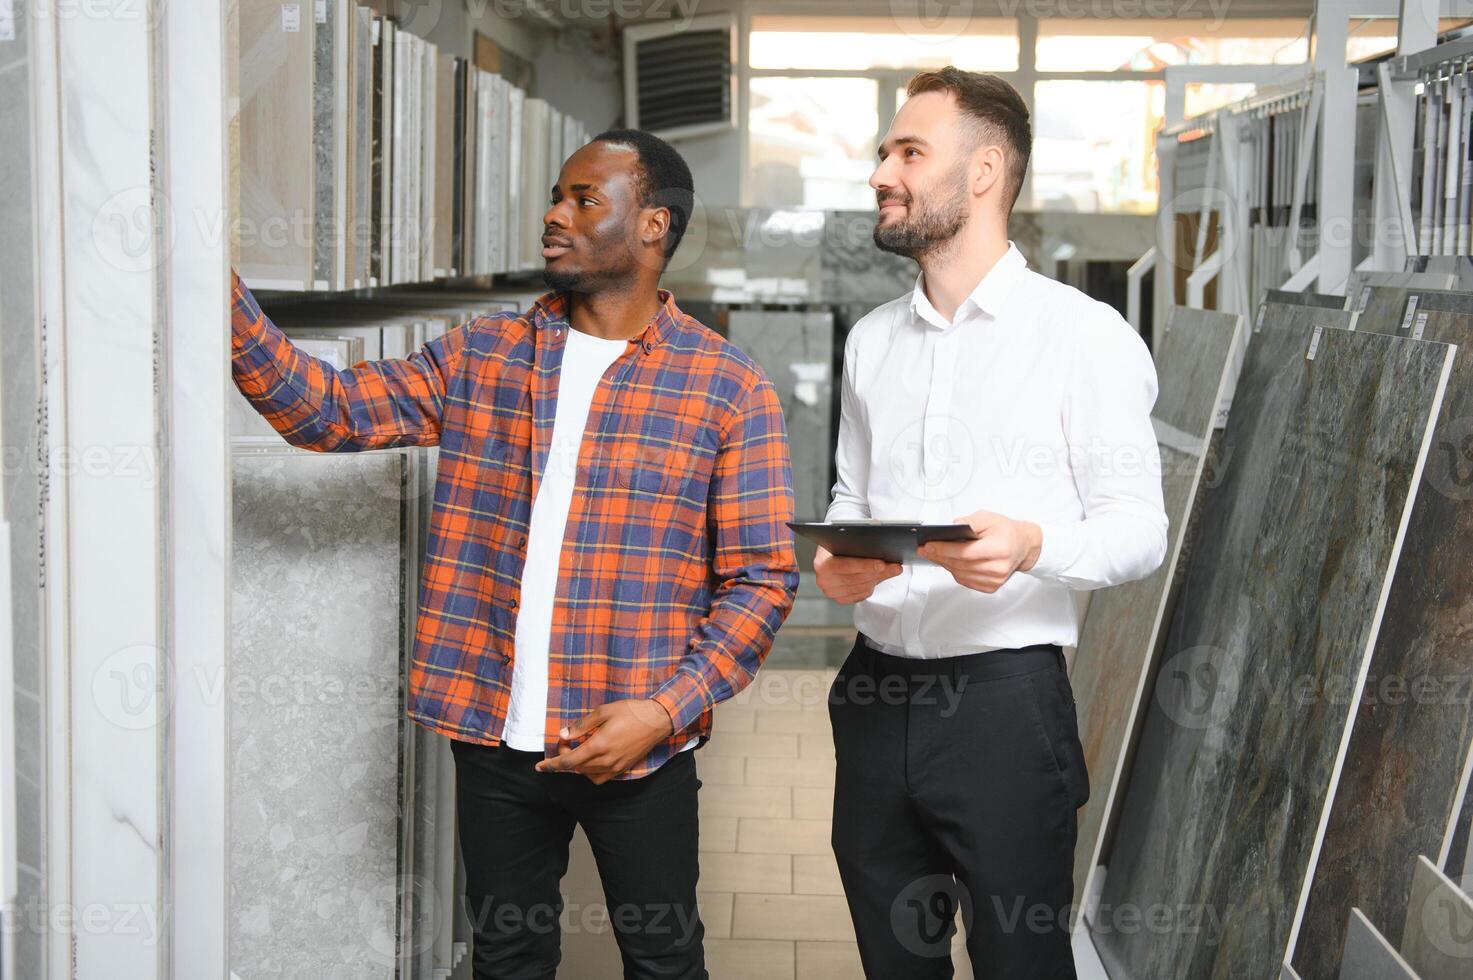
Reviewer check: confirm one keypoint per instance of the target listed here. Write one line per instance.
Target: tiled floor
(770, 895)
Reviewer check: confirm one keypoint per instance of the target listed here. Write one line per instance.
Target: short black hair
(664, 179)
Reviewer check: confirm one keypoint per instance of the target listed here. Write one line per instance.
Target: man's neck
(616, 314)
(951, 274)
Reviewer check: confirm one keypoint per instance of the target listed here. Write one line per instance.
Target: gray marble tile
(1290, 297)
(1460, 267)
(1407, 748)
(325, 138)
(1123, 628)
(797, 352)
(315, 685)
(1356, 288)
(360, 228)
(1368, 956)
(1268, 639)
(1437, 940)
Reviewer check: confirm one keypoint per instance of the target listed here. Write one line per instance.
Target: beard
(928, 225)
(616, 273)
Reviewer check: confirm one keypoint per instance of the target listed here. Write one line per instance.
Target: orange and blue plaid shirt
(677, 566)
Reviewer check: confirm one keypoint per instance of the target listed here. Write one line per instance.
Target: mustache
(882, 199)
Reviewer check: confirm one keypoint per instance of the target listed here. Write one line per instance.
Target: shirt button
(514, 603)
(521, 542)
(648, 346)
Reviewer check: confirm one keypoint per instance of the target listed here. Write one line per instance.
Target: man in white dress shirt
(995, 397)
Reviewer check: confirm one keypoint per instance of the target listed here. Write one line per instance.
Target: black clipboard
(894, 541)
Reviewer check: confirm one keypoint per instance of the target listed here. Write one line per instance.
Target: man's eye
(912, 150)
(587, 202)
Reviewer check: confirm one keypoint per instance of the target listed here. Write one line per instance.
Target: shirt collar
(987, 297)
(551, 310)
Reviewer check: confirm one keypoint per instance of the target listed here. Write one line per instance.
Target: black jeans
(957, 784)
(515, 826)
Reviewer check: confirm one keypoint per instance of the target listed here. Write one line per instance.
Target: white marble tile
(106, 78)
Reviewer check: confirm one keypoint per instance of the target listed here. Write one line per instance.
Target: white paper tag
(1258, 322)
(1406, 319)
(1421, 325)
(321, 12)
(1365, 297)
(376, 32)
(1314, 343)
(291, 18)
(7, 20)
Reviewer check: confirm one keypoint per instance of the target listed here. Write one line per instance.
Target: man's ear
(655, 224)
(987, 169)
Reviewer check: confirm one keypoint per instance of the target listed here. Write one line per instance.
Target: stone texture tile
(770, 874)
(805, 917)
(816, 874)
(828, 961)
(790, 772)
(783, 837)
(749, 959)
(747, 801)
(754, 746)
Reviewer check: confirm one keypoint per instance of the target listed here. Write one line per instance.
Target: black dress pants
(515, 826)
(957, 785)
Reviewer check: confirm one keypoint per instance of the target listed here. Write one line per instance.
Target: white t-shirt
(585, 359)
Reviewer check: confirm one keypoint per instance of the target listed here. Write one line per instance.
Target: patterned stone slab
(1289, 297)
(1408, 746)
(1270, 636)
(1360, 297)
(1122, 631)
(314, 736)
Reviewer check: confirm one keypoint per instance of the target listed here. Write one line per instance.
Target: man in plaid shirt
(608, 555)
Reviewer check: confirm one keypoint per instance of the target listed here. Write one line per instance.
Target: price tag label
(1258, 321)
(1421, 325)
(1406, 320)
(1365, 297)
(7, 20)
(321, 11)
(1314, 343)
(291, 18)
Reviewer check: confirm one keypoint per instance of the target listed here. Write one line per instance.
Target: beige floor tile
(793, 722)
(813, 802)
(716, 912)
(815, 874)
(718, 833)
(747, 801)
(816, 746)
(729, 720)
(720, 770)
(807, 917)
(790, 772)
(753, 746)
(828, 961)
(755, 873)
(749, 959)
(759, 836)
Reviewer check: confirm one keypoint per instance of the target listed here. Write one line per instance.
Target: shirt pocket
(664, 456)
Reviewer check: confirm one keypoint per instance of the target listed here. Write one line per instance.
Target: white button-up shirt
(1034, 403)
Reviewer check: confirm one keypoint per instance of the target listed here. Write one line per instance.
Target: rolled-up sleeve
(753, 560)
(1110, 390)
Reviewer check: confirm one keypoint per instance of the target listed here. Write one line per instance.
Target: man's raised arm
(375, 405)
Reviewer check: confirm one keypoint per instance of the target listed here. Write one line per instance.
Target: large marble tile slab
(1368, 956)
(1270, 636)
(277, 150)
(797, 352)
(315, 673)
(361, 134)
(1405, 758)
(1437, 940)
(442, 259)
(1460, 267)
(1116, 654)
